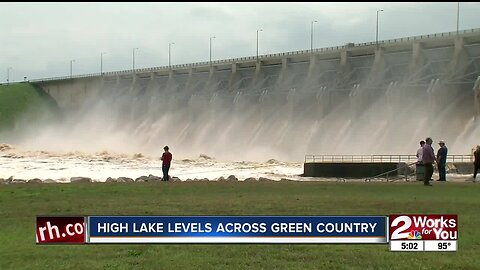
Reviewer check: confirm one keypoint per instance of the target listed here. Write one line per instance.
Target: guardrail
(266, 56)
(377, 158)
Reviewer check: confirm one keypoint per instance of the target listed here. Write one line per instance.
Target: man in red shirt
(166, 160)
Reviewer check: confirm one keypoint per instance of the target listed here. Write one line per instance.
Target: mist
(273, 114)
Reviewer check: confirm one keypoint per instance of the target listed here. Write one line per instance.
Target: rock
(149, 178)
(203, 156)
(176, 179)
(142, 178)
(19, 181)
(232, 178)
(138, 155)
(9, 180)
(49, 181)
(35, 180)
(250, 179)
(153, 178)
(2, 181)
(220, 179)
(5, 147)
(124, 179)
(263, 179)
(272, 161)
(80, 179)
(188, 180)
(111, 180)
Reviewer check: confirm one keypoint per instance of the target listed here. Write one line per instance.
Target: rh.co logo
(51, 229)
(426, 227)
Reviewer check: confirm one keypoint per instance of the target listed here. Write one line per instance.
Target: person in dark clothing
(428, 158)
(476, 162)
(442, 161)
(166, 161)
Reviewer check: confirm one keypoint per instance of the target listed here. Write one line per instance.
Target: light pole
(211, 49)
(169, 53)
(376, 33)
(8, 75)
(258, 30)
(458, 15)
(71, 67)
(311, 36)
(133, 58)
(101, 62)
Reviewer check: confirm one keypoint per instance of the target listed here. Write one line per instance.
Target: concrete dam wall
(353, 99)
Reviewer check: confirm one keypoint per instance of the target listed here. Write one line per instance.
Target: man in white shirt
(420, 152)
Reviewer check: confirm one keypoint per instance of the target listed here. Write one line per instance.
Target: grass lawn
(18, 100)
(21, 203)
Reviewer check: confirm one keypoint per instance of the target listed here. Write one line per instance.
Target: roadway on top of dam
(445, 39)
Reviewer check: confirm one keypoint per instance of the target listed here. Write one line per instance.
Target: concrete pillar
(418, 60)
(211, 76)
(476, 100)
(233, 76)
(133, 83)
(344, 72)
(151, 84)
(101, 85)
(117, 82)
(311, 67)
(378, 69)
(170, 80)
(189, 78)
(258, 73)
(283, 71)
(459, 62)
(258, 67)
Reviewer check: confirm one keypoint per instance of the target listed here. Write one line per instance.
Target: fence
(377, 158)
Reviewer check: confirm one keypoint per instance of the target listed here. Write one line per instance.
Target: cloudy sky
(39, 40)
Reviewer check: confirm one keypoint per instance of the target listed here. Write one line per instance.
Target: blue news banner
(237, 229)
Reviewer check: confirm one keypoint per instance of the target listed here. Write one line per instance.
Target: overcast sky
(39, 39)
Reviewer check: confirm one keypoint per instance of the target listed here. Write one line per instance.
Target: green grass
(22, 101)
(20, 204)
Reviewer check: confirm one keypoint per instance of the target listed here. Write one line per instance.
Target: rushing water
(99, 166)
(275, 113)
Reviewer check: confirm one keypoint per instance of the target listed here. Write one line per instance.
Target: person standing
(442, 160)
(166, 161)
(420, 152)
(428, 157)
(476, 162)
(419, 167)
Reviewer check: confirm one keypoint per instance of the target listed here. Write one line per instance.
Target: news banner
(403, 232)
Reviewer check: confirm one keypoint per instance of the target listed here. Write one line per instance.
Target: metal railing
(377, 158)
(387, 173)
(267, 56)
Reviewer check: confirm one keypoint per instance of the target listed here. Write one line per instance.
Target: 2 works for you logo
(423, 227)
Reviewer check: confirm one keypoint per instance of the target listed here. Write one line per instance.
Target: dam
(368, 98)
